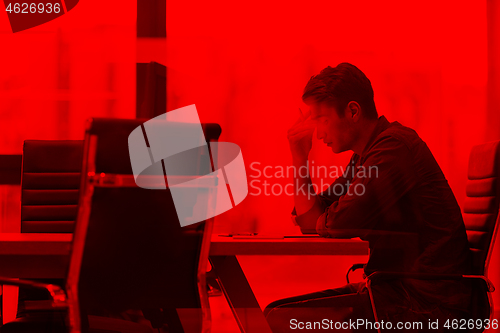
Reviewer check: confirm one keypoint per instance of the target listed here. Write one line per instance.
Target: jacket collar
(382, 125)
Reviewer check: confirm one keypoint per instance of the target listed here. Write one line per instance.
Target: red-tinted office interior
(434, 66)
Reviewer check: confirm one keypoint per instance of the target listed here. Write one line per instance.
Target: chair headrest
(484, 161)
(52, 156)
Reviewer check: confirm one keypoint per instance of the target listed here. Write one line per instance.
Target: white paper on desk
(258, 237)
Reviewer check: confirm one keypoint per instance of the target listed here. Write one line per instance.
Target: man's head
(341, 100)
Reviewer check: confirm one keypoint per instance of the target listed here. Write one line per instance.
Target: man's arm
(308, 205)
(302, 185)
(370, 195)
(300, 142)
(307, 220)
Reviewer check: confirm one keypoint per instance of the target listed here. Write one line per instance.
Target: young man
(392, 194)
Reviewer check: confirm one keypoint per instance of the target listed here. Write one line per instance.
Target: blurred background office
(434, 67)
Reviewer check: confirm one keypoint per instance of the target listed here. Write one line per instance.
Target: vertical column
(151, 18)
(63, 106)
(151, 89)
(493, 110)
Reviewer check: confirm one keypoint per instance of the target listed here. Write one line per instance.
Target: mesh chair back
(50, 185)
(482, 203)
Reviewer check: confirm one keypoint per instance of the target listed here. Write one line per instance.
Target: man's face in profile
(336, 132)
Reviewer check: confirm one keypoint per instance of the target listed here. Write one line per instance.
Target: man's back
(407, 212)
(428, 209)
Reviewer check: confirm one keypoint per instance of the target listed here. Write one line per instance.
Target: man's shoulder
(395, 131)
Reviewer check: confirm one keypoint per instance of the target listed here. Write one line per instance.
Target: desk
(223, 252)
(32, 256)
(24, 255)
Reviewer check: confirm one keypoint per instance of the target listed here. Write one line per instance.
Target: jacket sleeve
(307, 221)
(384, 177)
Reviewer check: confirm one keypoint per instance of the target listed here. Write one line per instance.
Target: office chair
(481, 215)
(49, 185)
(50, 179)
(129, 250)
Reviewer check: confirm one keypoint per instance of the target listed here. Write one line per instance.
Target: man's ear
(354, 111)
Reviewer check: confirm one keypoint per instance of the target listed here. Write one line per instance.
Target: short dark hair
(340, 85)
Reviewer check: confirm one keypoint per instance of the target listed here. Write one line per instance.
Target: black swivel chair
(481, 215)
(50, 181)
(129, 250)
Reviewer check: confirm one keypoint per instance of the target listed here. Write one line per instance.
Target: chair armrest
(380, 276)
(352, 269)
(44, 305)
(56, 293)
